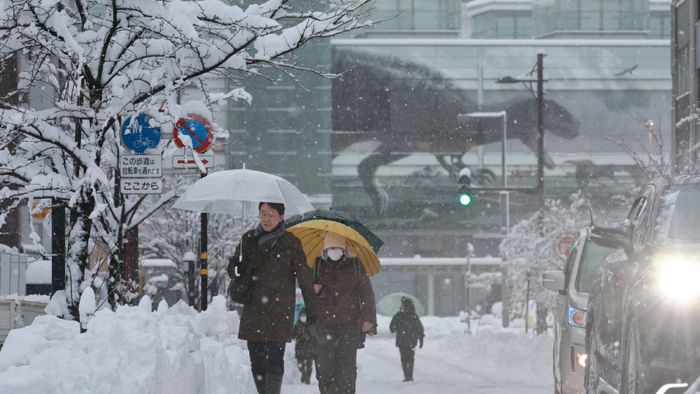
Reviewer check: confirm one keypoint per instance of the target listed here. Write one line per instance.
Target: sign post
(198, 130)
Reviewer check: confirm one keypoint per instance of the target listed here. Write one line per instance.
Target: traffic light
(465, 196)
(465, 191)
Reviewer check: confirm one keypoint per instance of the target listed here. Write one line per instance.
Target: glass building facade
(417, 15)
(381, 139)
(590, 15)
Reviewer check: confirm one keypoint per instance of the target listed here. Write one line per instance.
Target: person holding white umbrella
(266, 264)
(273, 258)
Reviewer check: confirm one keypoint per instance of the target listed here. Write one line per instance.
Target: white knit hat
(333, 240)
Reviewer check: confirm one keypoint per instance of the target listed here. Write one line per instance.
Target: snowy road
(446, 367)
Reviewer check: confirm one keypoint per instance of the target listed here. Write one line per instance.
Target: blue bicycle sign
(142, 135)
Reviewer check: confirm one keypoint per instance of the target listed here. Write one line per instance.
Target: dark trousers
(305, 367)
(267, 365)
(336, 360)
(408, 355)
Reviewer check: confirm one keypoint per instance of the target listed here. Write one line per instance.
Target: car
(573, 285)
(641, 334)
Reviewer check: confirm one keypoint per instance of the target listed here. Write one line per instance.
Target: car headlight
(576, 317)
(678, 278)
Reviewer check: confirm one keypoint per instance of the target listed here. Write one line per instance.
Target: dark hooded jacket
(269, 316)
(408, 328)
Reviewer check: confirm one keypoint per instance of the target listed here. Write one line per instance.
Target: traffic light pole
(541, 309)
(540, 140)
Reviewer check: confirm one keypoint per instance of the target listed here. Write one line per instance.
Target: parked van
(573, 284)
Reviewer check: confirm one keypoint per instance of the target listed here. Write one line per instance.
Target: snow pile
(39, 272)
(178, 350)
(134, 350)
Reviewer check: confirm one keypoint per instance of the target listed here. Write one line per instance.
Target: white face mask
(335, 254)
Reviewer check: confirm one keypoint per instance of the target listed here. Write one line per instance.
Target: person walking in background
(277, 261)
(304, 348)
(344, 313)
(409, 333)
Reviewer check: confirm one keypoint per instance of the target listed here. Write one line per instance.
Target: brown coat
(269, 316)
(343, 290)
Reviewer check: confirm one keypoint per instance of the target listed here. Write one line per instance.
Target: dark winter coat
(269, 316)
(346, 298)
(305, 341)
(408, 329)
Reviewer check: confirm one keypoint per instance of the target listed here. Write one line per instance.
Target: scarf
(267, 240)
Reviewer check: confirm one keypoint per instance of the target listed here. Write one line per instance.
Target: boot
(409, 369)
(273, 384)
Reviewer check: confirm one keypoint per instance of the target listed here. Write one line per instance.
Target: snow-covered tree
(529, 251)
(96, 63)
(173, 232)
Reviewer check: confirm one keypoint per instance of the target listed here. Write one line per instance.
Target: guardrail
(16, 313)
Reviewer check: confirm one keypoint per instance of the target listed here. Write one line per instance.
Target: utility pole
(539, 188)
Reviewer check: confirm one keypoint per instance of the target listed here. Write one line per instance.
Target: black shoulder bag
(240, 288)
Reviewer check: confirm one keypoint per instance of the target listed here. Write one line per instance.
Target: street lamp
(540, 130)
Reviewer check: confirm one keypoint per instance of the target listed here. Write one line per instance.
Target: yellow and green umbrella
(337, 216)
(312, 233)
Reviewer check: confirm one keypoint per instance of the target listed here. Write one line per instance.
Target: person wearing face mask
(304, 349)
(344, 312)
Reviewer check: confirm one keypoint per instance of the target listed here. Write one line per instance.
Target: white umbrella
(238, 192)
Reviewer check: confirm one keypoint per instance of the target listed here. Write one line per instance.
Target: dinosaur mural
(406, 108)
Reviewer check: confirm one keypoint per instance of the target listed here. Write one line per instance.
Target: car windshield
(682, 206)
(593, 255)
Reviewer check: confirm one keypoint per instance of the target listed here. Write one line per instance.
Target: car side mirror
(613, 237)
(553, 280)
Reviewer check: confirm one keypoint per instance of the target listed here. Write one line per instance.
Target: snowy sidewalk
(178, 350)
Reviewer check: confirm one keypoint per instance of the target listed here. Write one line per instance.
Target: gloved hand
(367, 327)
(420, 344)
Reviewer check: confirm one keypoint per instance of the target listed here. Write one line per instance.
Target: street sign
(181, 161)
(144, 134)
(141, 185)
(197, 128)
(562, 243)
(140, 166)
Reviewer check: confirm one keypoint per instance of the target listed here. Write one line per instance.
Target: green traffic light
(465, 199)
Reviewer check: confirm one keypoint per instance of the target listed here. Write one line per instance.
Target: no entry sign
(562, 245)
(197, 128)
